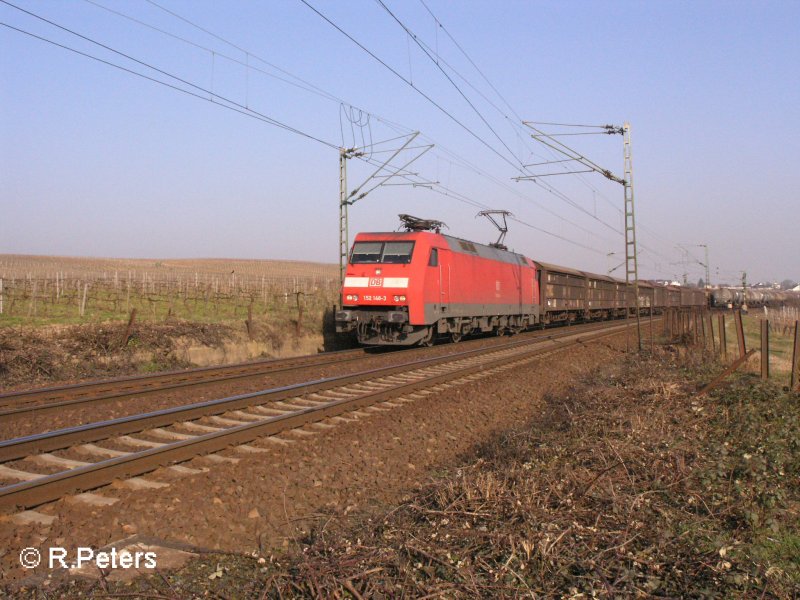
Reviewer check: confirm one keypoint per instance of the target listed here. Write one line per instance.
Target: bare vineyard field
(781, 336)
(42, 290)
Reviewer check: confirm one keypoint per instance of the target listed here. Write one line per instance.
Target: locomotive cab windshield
(396, 253)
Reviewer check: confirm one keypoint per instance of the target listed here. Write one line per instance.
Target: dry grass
(32, 356)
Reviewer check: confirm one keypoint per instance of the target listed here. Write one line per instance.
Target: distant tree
(701, 283)
(788, 284)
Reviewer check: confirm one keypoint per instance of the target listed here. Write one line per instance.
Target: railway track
(94, 455)
(52, 399)
(49, 400)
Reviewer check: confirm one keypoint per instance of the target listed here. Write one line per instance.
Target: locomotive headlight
(399, 298)
(351, 297)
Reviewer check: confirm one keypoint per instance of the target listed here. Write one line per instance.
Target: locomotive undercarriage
(382, 327)
(379, 326)
(580, 316)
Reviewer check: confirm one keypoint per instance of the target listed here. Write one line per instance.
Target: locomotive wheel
(428, 340)
(455, 337)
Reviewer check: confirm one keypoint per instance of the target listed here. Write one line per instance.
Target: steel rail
(20, 447)
(135, 385)
(52, 487)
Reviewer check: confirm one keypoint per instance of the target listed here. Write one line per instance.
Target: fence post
(723, 338)
(795, 383)
(764, 349)
(710, 322)
(652, 308)
(702, 328)
(737, 317)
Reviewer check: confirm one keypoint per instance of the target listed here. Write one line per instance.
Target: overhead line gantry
(631, 257)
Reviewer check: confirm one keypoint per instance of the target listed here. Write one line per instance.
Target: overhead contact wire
(453, 83)
(308, 86)
(409, 83)
(231, 106)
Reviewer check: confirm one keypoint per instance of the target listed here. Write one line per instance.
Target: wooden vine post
(737, 316)
(795, 382)
(764, 349)
(723, 340)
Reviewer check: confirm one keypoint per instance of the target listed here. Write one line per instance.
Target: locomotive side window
(433, 261)
(381, 252)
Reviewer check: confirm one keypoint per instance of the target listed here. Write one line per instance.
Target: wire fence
(781, 319)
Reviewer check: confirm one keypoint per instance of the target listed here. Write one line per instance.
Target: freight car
(568, 295)
(408, 288)
(726, 297)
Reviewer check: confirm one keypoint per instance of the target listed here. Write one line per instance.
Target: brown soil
(264, 500)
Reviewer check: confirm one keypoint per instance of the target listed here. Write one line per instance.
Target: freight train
(727, 297)
(412, 287)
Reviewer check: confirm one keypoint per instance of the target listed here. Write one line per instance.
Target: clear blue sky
(95, 161)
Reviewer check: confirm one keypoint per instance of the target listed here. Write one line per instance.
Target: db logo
(376, 282)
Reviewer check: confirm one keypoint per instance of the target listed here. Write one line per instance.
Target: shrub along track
(179, 434)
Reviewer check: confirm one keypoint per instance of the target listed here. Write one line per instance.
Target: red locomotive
(406, 288)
